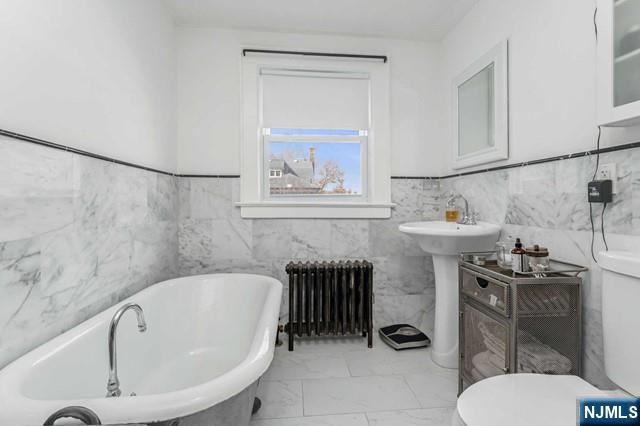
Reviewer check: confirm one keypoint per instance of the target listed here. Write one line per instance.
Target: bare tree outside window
(331, 173)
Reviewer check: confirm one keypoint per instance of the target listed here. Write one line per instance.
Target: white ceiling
(405, 19)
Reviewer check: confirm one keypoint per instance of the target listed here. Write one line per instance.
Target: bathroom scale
(403, 336)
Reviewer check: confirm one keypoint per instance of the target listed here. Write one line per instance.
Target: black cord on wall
(604, 238)
(595, 174)
(593, 233)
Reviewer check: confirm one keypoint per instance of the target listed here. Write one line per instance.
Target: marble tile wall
(213, 238)
(547, 204)
(79, 234)
(76, 236)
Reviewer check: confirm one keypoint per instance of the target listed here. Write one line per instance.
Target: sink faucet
(113, 385)
(466, 218)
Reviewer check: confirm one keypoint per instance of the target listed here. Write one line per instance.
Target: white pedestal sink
(444, 241)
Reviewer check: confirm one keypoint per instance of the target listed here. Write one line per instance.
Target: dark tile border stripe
(631, 145)
(77, 151)
(210, 176)
(53, 145)
(415, 177)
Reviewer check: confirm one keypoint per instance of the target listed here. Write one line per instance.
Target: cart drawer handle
(482, 283)
(83, 414)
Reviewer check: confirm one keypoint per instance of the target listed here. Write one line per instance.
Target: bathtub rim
(157, 407)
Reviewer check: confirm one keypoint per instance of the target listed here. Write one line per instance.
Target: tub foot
(280, 328)
(256, 405)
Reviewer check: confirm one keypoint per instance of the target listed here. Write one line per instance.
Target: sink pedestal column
(444, 240)
(444, 351)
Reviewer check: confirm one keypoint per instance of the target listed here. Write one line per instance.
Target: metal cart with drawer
(518, 323)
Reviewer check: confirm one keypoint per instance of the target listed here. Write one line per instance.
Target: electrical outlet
(608, 171)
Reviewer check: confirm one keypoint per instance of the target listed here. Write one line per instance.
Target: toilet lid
(524, 400)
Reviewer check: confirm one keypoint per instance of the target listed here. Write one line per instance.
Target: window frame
(257, 202)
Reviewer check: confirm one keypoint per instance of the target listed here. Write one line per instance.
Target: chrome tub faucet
(113, 385)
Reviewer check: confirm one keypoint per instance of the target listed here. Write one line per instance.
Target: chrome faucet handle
(113, 389)
(475, 216)
(468, 220)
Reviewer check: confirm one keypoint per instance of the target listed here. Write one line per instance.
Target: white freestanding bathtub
(209, 338)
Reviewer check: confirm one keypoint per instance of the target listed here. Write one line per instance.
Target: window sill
(308, 210)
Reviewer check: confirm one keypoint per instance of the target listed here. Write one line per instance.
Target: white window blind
(315, 99)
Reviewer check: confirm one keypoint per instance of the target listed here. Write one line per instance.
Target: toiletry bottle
(518, 257)
(452, 214)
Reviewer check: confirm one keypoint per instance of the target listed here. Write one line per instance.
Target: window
(316, 138)
(315, 162)
(275, 173)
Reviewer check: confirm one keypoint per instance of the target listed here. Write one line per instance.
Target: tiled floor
(340, 382)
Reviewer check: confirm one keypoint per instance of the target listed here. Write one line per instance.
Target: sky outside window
(346, 155)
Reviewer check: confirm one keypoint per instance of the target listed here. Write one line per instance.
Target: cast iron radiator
(330, 299)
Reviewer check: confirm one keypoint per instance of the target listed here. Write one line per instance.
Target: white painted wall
(97, 75)
(552, 75)
(100, 75)
(209, 101)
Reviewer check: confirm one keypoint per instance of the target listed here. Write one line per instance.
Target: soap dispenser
(518, 257)
(452, 213)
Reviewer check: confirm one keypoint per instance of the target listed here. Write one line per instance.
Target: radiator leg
(370, 305)
(291, 304)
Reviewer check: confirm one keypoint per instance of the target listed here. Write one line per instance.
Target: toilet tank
(621, 318)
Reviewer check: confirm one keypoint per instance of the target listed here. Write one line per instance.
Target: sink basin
(444, 241)
(450, 238)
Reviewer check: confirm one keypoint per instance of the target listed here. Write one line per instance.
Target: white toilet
(536, 399)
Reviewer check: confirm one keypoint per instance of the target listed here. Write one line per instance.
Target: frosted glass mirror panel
(476, 124)
(480, 110)
(626, 48)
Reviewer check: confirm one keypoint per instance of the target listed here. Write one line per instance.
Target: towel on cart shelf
(533, 356)
(536, 357)
(476, 375)
(496, 360)
(484, 365)
(494, 336)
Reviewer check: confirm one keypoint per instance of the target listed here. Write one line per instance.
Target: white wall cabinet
(618, 24)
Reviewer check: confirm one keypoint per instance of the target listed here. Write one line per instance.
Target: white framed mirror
(481, 110)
